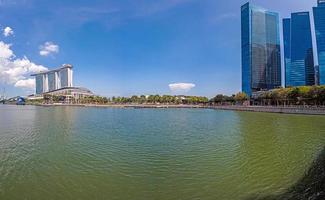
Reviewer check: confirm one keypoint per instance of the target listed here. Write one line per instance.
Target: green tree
(241, 97)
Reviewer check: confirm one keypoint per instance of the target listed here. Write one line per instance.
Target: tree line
(150, 99)
(292, 96)
(234, 99)
(304, 95)
(142, 99)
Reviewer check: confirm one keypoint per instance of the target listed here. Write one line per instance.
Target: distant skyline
(121, 48)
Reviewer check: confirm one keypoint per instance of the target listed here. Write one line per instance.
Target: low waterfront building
(69, 94)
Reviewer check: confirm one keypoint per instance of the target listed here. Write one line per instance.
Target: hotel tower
(49, 81)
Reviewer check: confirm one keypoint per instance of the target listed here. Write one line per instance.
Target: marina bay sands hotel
(53, 80)
(59, 82)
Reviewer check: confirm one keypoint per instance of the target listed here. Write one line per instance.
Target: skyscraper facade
(65, 77)
(319, 19)
(298, 54)
(40, 79)
(287, 47)
(52, 83)
(260, 45)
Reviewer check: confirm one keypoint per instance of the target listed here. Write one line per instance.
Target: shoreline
(265, 109)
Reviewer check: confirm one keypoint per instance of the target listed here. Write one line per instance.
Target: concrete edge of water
(265, 109)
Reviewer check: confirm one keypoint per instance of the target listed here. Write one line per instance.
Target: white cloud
(8, 31)
(181, 87)
(5, 51)
(14, 71)
(27, 84)
(48, 48)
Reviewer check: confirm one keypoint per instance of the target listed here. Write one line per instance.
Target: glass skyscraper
(260, 45)
(298, 50)
(287, 48)
(319, 19)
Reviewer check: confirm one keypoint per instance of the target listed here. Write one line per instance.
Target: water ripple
(167, 154)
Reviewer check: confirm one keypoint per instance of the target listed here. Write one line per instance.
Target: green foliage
(94, 100)
(221, 99)
(241, 97)
(304, 95)
(48, 98)
(150, 99)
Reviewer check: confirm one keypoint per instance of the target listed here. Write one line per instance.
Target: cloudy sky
(125, 47)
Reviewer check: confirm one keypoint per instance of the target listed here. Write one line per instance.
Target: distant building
(319, 19)
(260, 47)
(70, 94)
(53, 80)
(298, 50)
(59, 82)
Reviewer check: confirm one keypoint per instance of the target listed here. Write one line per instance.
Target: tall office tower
(260, 46)
(287, 47)
(319, 19)
(298, 54)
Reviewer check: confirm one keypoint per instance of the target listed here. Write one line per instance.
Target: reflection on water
(311, 186)
(279, 152)
(83, 153)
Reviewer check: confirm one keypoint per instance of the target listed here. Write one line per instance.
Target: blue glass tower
(298, 54)
(287, 48)
(319, 19)
(260, 46)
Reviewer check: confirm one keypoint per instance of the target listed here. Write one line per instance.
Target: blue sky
(125, 47)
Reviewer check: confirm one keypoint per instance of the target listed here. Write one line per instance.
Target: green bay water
(162, 154)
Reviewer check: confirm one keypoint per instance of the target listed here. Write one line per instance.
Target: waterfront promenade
(305, 110)
(276, 109)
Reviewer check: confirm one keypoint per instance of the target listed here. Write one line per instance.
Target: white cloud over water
(181, 87)
(48, 48)
(15, 71)
(8, 31)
